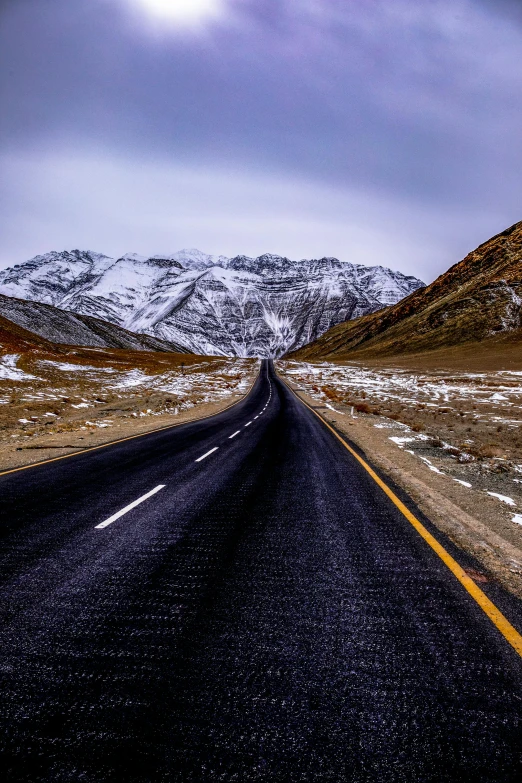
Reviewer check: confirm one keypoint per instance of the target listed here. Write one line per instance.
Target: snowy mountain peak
(165, 262)
(267, 264)
(195, 259)
(134, 257)
(208, 304)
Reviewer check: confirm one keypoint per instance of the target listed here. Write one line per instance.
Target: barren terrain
(52, 404)
(451, 438)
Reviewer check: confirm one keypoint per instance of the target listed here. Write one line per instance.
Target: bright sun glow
(183, 12)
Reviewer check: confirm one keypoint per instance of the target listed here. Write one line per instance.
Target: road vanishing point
(243, 598)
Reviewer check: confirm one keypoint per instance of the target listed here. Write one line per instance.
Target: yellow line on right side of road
(488, 607)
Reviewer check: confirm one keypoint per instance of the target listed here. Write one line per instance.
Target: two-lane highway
(236, 599)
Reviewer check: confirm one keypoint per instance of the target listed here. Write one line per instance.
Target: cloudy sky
(374, 131)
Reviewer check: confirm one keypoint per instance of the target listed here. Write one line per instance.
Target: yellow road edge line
(488, 607)
(130, 437)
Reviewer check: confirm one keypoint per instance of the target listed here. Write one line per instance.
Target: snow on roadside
(333, 409)
(220, 382)
(77, 390)
(440, 390)
(401, 441)
(406, 386)
(207, 380)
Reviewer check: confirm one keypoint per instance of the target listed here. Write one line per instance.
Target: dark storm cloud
(510, 8)
(415, 102)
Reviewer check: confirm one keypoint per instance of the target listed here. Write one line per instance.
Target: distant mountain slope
(59, 326)
(15, 338)
(478, 298)
(210, 304)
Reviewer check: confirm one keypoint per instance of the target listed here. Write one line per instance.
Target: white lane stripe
(248, 425)
(234, 435)
(129, 507)
(256, 417)
(207, 454)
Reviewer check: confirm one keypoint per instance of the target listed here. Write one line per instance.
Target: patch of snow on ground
(431, 466)
(219, 382)
(132, 378)
(400, 441)
(10, 372)
(68, 367)
(333, 409)
(503, 498)
(405, 386)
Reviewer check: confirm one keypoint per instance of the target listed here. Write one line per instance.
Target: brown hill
(16, 338)
(477, 300)
(31, 347)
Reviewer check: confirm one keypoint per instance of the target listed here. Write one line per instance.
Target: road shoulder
(63, 444)
(447, 505)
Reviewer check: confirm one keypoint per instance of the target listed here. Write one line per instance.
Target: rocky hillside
(478, 298)
(210, 304)
(59, 326)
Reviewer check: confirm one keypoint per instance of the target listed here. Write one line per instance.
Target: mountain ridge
(207, 304)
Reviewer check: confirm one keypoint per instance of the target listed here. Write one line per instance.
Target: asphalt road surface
(265, 613)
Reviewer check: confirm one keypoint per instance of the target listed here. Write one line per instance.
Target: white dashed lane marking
(207, 454)
(129, 507)
(137, 502)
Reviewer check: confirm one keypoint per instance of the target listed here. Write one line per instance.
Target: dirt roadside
(71, 408)
(64, 443)
(473, 521)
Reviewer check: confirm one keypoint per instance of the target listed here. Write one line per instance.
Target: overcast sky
(379, 132)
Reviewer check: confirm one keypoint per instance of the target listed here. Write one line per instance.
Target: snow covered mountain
(238, 306)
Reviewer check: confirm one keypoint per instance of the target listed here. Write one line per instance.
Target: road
(267, 614)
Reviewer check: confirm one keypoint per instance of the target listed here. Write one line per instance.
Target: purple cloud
(416, 106)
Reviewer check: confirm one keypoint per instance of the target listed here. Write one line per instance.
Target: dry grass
(492, 355)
